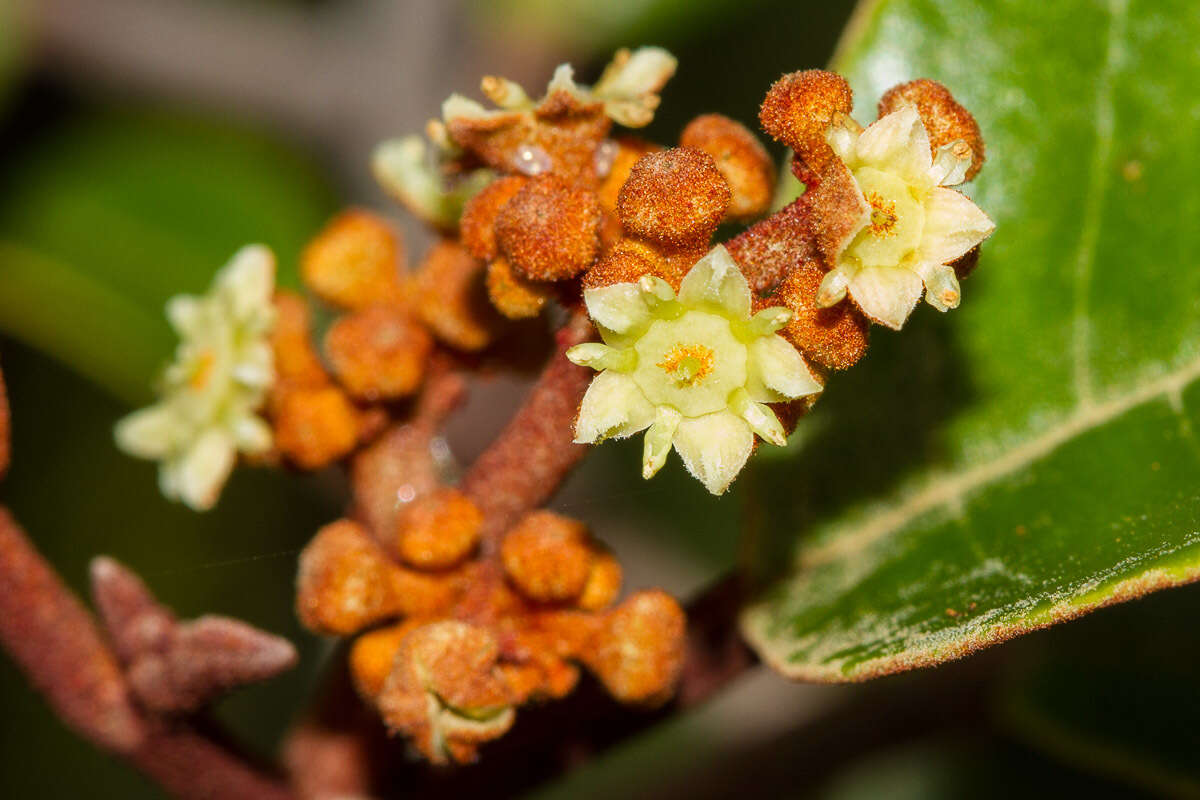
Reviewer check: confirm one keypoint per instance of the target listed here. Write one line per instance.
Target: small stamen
(688, 364)
(883, 215)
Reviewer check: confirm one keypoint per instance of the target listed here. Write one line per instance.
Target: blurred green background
(143, 141)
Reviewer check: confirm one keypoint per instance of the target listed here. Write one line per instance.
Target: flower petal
(149, 432)
(618, 308)
(777, 371)
(252, 434)
(247, 281)
(716, 279)
(953, 225)
(886, 294)
(941, 286)
(613, 408)
(898, 143)
(658, 440)
(951, 163)
(256, 368)
(185, 313)
(204, 469)
(714, 448)
(842, 136)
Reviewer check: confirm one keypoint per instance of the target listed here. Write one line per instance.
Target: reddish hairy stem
(524, 466)
(53, 638)
(55, 642)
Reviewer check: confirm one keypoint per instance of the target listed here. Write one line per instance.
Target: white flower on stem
(212, 390)
(696, 369)
(911, 227)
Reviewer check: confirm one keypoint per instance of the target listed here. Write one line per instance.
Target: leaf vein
(952, 488)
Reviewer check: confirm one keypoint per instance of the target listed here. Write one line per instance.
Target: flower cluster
(455, 640)
(467, 601)
(695, 368)
(213, 390)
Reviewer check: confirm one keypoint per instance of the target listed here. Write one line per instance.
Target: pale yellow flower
(211, 392)
(911, 227)
(696, 369)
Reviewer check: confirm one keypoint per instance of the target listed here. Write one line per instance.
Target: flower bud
(451, 299)
(446, 691)
(378, 353)
(477, 226)
(315, 427)
(547, 557)
(638, 654)
(373, 656)
(438, 530)
(740, 157)
(514, 296)
(603, 583)
(345, 582)
(800, 107)
(832, 338)
(354, 262)
(549, 230)
(676, 198)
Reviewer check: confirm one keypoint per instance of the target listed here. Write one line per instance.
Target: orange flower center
(688, 364)
(202, 371)
(883, 215)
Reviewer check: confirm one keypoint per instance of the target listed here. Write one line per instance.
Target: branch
(55, 642)
(524, 466)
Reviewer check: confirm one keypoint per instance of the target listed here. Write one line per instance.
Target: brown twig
(524, 466)
(54, 640)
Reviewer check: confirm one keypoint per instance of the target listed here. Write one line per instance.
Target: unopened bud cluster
(450, 642)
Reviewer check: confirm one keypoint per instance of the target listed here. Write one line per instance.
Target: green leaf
(1029, 457)
(104, 217)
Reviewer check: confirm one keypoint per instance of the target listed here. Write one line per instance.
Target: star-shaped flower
(211, 392)
(910, 226)
(697, 369)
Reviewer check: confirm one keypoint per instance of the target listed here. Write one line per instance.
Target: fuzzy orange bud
(438, 530)
(549, 230)
(740, 157)
(799, 108)
(514, 296)
(603, 583)
(477, 226)
(374, 654)
(676, 198)
(315, 427)
(345, 581)
(451, 299)
(638, 654)
(296, 360)
(378, 353)
(354, 262)
(446, 692)
(831, 338)
(547, 557)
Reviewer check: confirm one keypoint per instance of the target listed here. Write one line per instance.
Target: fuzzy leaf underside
(1030, 456)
